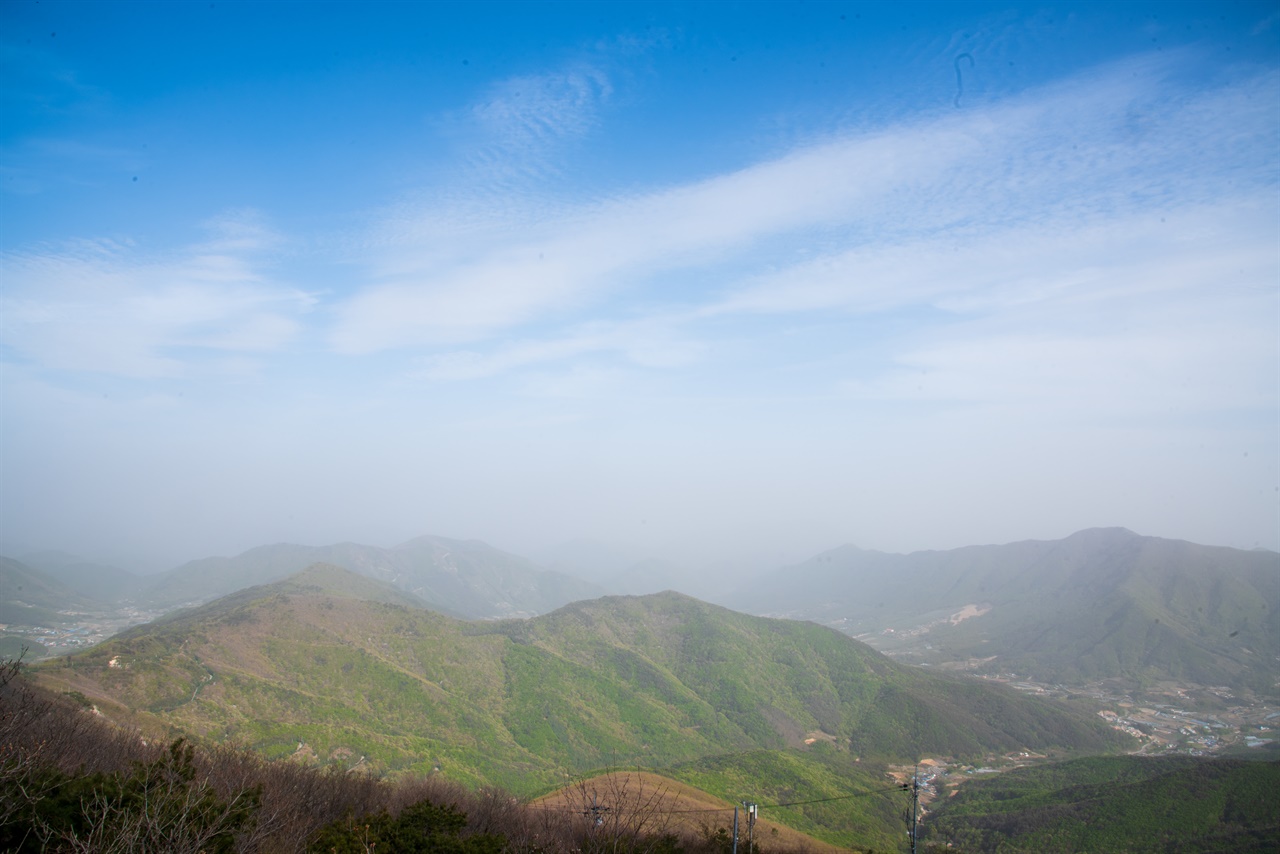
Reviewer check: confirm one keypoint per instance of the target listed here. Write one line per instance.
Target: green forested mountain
(338, 667)
(463, 577)
(1100, 603)
(778, 682)
(1168, 804)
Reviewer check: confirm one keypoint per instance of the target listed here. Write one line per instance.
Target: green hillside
(778, 682)
(1173, 804)
(1100, 603)
(337, 669)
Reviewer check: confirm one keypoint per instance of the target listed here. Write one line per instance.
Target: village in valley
(74, 631)
(1165, 717)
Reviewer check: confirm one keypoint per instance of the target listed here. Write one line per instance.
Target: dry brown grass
(686, 811)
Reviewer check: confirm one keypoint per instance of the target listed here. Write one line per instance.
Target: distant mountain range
(1102, 603)
(465, 578)
(622, 571)
(346, 669)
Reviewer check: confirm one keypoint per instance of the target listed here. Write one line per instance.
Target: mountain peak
(1115, 534)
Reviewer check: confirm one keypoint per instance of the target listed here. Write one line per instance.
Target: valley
(69, 632)
(1179, 643)
(1167, 716)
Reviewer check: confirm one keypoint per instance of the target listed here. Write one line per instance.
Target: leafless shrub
(163, 806)
(296, 801)
(616, 813)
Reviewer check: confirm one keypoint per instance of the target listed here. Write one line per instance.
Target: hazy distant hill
(622, 571)
(588, 558)
(466, 578)
(316, 666)
(98, 581)
(1100, 603)
(32, 597)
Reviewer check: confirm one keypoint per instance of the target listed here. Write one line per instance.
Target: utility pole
(751, 821)
(735, 829)
(914, 788)
(595, 812)
(915, 808)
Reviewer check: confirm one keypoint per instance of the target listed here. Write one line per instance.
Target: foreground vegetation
(70, 781)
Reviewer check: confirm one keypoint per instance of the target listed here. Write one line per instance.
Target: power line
(915, 807)
(837, 798)
(730, 809)
(660, 812)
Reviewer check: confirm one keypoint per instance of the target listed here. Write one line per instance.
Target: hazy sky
(727, 278)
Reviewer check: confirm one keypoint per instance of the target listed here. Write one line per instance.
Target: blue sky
(739, 281)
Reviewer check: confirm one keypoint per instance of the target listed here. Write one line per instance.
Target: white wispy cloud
(1067, 258)
(103, 307)
(604, 246)
(653, 342)
(519, 130)
(1111, 190)
(1265, 25)
(542, 109)
(1182, 359)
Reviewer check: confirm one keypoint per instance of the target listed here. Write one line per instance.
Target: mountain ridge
(1101, 603)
